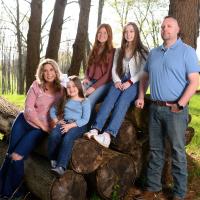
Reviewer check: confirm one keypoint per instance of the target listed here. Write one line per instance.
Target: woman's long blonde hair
(40, 73)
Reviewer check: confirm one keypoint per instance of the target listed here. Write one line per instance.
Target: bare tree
(16, 21)
(81, 37)
(122, 9)
(33, 41)
(56, 29)
(187, 13)
(100, 11)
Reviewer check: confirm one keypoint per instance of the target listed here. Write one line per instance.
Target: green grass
(18, 100)
(193, 147)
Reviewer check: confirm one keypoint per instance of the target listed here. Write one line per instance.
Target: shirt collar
(178, 41)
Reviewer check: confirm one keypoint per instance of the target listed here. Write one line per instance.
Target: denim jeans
(118, 102)
(164, 123)
(23, 139)
(60, 145)
(98, 94)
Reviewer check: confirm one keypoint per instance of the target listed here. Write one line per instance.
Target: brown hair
(65, 97)
(137, 46)
(40, 73)
(108, 46)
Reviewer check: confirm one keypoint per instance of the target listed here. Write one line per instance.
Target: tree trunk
(56, 29)
(187, 14)
(20, 77)
(81, 37)
(33, 42)
(100, 10)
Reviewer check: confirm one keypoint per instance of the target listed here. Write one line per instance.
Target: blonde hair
(40, 73)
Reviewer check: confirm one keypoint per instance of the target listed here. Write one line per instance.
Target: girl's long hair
(65, 97)
(137, 47)
(94, 56)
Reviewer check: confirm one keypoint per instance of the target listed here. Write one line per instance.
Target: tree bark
(33, 42)
(8, 113)
(187, 14)
(100, 11)
(20, 77)
(56, 29)
(81, 37)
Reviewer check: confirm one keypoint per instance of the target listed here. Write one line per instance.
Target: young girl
(98, 78)
(127, 68)
(30, 126)
(70, 116)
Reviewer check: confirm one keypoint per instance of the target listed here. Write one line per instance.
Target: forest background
(64, 30)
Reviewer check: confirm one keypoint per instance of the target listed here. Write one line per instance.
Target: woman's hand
(139, 103)
(126, 85)
(89, 91)
(85, 81)
(118, 85)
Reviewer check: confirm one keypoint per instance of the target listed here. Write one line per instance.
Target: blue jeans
(98, 94)
(118, 102)
(23, 139)
(60, 145)
(164, 123)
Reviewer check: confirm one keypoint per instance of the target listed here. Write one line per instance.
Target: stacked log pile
(106, 170)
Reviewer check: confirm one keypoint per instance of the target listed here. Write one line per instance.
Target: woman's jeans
(99, 94)
(23, 139)
(118, 102)
(60, 145)
(164, 123)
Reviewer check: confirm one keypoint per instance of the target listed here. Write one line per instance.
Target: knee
(16, 156)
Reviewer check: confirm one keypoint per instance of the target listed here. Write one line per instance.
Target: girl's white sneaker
(103, 139)
(91, 133)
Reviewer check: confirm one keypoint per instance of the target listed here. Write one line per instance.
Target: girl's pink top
(38, 104)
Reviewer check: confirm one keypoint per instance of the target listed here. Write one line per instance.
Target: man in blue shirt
(173, 73)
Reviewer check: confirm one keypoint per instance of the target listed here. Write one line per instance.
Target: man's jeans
(118, 102)
(164, 123)
(60, 145)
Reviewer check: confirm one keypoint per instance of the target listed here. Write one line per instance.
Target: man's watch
(179, 106)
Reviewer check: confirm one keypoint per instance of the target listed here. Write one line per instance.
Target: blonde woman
(30, 125)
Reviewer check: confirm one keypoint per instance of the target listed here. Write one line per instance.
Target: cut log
(43, 184)
(116, 175)
(8, 113)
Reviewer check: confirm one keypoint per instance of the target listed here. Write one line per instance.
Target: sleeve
(86, 110)
(30, 112)
(136, 77)
(191, 61)
(106, 77)
(115, 76)
(53, 112)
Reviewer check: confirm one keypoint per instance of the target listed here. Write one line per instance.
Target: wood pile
(92, 167)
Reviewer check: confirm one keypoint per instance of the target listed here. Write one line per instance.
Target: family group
(64, 107)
